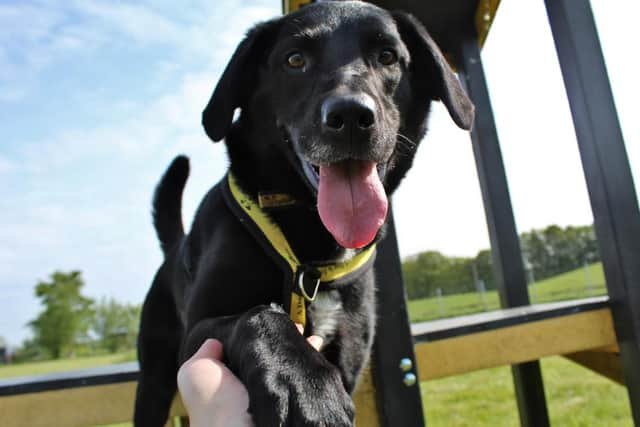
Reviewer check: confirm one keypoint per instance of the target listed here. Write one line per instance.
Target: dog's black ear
(427, 62)
(238, 80)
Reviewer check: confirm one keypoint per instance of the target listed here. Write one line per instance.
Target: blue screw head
(410, 379)
(406, 364)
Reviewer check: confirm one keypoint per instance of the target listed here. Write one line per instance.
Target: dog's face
(335, 72)
(348, 85)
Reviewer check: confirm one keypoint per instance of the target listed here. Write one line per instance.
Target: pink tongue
(351, 202)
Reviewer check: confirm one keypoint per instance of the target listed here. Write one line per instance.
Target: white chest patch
(325, 313)
(348, 255)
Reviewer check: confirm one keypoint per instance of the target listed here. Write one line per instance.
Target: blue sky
(96, 97)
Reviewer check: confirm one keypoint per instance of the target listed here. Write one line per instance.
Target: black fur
(167, 214)
(216, 281)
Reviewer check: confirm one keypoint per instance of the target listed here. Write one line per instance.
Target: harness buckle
(316, 286)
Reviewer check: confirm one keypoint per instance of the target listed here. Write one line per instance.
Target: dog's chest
(326, 312)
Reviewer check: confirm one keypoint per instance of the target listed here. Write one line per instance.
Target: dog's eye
(295, 60)
(388, 57)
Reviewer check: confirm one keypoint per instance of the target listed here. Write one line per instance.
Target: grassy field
(564, 286)
(576, 397)
(37, 368)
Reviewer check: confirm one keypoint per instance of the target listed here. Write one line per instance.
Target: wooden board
(113, 403)
(515, 344)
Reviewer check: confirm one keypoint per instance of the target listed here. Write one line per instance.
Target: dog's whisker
(405, 145)
(406, 140)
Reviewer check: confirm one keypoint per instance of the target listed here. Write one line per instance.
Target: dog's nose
(355, 112)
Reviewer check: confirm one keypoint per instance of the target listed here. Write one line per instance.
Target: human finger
(315, 341)
(210, 349)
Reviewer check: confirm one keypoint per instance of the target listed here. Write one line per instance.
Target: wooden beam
(289, 6)
(113, 403)
(485, 14)
(367, 413)
(515, 344)
(601, 361)
(73, 407)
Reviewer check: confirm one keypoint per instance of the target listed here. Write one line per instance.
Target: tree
(548, 252)
(116, 324)
(428, 271)
(29, 351)
(484, 266)
(421, 273)
(66, 315)
(555, 250)
(3, 350)
(536, 252)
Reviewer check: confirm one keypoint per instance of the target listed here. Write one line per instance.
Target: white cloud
(32, 37)
(38, 36)
(84, 198)
(6, 166)
(80, 198)
(136, 22)
(42, 22)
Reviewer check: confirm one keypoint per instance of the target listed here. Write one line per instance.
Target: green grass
(572, 284)
(576, 397)
(61, 365)
(569, 285)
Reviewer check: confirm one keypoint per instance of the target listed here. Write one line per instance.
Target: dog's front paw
(289, 382)
(291, 398)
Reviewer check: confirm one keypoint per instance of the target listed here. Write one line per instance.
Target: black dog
(334, 99)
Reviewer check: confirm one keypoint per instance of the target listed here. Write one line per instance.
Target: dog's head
(348, 86)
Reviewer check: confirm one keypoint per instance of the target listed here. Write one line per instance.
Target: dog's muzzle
(350, 116)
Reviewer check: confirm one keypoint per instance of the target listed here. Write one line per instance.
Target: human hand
(212, 395)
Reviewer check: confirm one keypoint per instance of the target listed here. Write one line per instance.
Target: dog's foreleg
(288, 381)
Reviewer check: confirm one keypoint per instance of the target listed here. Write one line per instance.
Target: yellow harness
(298, 276)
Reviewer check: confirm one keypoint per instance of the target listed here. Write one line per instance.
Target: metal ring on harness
(303, 291)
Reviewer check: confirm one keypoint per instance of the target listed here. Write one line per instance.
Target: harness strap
(301, 281)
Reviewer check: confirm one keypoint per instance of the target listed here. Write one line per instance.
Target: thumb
(210, 349)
